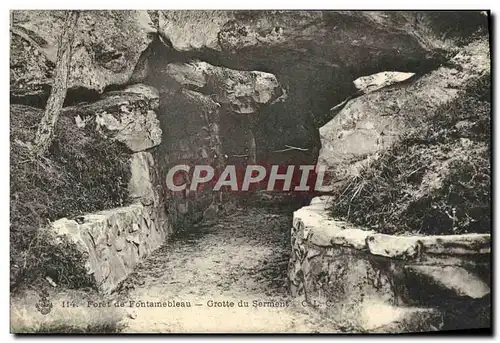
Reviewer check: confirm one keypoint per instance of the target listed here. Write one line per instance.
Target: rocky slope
(371, 123)
(414, 157)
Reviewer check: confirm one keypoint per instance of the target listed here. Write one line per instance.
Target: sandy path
(239, 258)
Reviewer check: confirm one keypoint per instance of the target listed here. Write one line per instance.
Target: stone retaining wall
(115, 240)
(382, 283)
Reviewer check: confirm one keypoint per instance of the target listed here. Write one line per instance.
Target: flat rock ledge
(374, 282)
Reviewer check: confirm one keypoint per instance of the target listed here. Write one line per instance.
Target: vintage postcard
(257, 171)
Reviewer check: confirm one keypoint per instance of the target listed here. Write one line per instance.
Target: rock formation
(216, 87)
(413, 283)
(108, 45)
(373, 122)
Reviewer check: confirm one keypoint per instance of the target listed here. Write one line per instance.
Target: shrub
(55, 257)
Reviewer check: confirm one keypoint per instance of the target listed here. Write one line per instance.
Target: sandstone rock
(371, 123)
(307, 51)
(371, 83)
(137, 132)
(394, 246)
(187, 127)
(244, 91)
(453, 278)
(318, 227)
(65, 226)
(140, 185)
(107, 47)
(345, 282)
(385, 283)
(313, 35)
(322, 230)
(189, 30)
(410, 247)
(473, 243)
(148, 92)
(126, 115)
(355, 238)
(191, 138)
(30, 70)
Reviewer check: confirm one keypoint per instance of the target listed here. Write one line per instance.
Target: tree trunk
(46, 128)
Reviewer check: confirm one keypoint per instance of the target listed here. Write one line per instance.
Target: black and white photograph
(250, 171)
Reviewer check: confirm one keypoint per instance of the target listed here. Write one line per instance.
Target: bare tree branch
(289, 147)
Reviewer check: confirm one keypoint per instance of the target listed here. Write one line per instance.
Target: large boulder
(315, 55)
(191, 125)
(373, 122)
(107, 47)
(371, 83)
(127, 115)
(244, 91)
(140, 185)
(190, 30)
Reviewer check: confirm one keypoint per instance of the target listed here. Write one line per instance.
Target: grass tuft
(435, 180)
(82, 173)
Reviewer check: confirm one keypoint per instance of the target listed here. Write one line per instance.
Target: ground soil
(240, 257)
